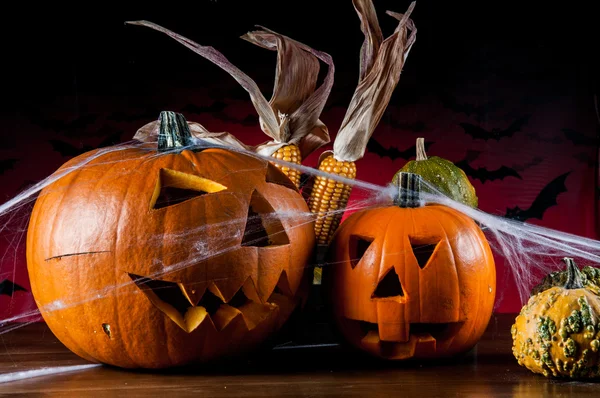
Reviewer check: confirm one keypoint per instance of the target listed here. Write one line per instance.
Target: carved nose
(389, 286)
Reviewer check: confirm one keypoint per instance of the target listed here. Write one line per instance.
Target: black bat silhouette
(578, 138)
(62, 126)
(450, 102)
(584, 157)
(7, 164)
(229, 93)
(127, 117)
(392, 152)
(215, 107)
(250, 120)
(69, 150)
(533, 162)
(416, 127)
(538, 138)
(481, 173)
(478, 132)
(8, 288)
(544, 200)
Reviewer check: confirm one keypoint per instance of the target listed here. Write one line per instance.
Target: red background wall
(81, 79)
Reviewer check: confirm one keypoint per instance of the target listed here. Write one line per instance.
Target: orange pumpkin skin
(94, 236)
(396, 297)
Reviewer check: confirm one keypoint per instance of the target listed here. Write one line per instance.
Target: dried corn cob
(289, 153)
(296, 102)
(329, 197)
(380, 68)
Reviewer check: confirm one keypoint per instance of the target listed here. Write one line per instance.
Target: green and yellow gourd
(557, 332)
(443, 174)
(589, 275)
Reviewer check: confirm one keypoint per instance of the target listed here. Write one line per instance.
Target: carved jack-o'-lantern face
(145, 260)
(411, 282)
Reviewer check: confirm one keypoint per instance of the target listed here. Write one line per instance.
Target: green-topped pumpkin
(443, 174)
(589, 275)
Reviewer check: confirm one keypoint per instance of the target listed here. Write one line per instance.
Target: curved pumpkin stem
(421, 154)
(573, 275)
(174, 132)
(409, 189)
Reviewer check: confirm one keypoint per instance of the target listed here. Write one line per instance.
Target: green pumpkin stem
(573, 275)
(174, 132)
(421, 155)
(409, 189)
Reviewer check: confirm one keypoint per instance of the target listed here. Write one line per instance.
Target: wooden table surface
(489, 370)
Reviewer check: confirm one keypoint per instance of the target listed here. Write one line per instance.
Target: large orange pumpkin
(139, 258)
(411, 281)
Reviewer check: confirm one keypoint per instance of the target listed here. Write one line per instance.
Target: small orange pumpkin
(153, 259)
(411, 281)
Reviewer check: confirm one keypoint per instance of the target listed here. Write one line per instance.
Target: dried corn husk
(295, 98)
(381, 66)
(299, 122)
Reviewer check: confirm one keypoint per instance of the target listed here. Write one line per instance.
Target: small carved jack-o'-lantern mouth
(175, 302)
(421, 338)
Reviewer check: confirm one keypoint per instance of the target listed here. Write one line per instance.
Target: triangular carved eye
(263, 227)
(423, 249)
(175, 187)
(389, 286)
(358, 247)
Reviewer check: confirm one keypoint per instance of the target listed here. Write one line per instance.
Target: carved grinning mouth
(437, 331)
(420, 337)
(174, 301)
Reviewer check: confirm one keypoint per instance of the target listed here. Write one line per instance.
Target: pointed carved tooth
(193, 292)
(193, 318)
(426, 345)
(285, 304)
(255, 313)
(250, 291)
(269, 260)
(283, 286)
(390, 320)
(399, 350)
(394, 332)
(224, 316)
(371, 339)
(230, 279)
(212, 287)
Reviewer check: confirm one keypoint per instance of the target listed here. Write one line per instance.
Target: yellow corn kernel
(328, 198)
(289, 153)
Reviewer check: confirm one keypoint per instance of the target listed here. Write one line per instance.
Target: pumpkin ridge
(410, 213)
(489, 275)
(115, 301)
(454, 267)
(90, 192)
(469, 333)
(449, 167)
(71, 184)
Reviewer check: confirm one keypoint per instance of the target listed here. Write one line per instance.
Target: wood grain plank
(488, 370)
